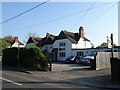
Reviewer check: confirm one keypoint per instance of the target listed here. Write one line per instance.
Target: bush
(29, 57)
(10, 56)
(3, 45)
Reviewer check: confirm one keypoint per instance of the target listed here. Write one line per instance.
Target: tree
(3, 45)
(103, 45)
(8, 37)
(30, 34)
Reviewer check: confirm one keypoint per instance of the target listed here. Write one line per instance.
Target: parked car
(78, 59)
(86, 60)
(73, 59)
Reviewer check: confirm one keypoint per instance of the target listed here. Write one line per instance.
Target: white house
(66, 41)
(13, 42)
(66, 44)
(46, 43)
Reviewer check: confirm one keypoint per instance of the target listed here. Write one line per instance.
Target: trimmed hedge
(29, 57)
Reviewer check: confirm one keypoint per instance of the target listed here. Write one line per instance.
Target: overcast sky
(99, 19)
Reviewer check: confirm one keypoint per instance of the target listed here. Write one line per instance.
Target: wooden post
(112, 49)
(18, 55)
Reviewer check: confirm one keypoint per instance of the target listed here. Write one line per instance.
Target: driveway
(78, 74)
(62, 67)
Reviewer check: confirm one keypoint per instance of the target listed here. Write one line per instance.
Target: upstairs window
(62, 44)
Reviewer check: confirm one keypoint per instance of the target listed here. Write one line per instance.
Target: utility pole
(112, 49)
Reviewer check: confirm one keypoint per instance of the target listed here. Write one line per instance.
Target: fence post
(112, 50)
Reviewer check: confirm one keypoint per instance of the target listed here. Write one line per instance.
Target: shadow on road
(101, 81)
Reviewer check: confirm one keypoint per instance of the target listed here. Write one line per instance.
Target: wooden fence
(102, 60)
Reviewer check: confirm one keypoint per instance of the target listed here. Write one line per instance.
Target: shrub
(10, 56)
(29, 57)
(3, 45)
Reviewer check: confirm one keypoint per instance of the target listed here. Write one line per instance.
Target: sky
(99, 19)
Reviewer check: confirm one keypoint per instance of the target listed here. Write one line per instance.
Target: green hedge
(29, 57)
(3, 45)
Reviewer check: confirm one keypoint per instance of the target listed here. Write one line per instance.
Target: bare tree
(30, 34)
(9, 37)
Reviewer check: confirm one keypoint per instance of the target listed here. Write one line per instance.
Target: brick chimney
(47, 35)
(81, 32)
(16, 39)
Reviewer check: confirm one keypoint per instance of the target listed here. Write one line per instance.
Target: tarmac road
(15, 79)
(62, 76)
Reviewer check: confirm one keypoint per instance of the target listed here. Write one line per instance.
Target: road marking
(11, 81)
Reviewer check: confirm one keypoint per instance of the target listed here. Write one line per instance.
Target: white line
(11, 81)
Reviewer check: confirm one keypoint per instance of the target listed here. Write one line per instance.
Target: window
(62, 54)
(62, 44)
(46, 47)
(80, 53)
(61, 49)
(51, 46)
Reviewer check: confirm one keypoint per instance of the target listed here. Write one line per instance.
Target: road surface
(62, 76)
(15, 79)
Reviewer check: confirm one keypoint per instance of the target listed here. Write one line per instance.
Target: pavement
(76, 74)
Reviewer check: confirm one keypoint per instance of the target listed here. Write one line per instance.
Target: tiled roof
(11, 41)
(49, 39)
(73, 37)
(35, 40)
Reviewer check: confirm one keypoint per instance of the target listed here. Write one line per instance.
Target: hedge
(29, 57)
(3, 45)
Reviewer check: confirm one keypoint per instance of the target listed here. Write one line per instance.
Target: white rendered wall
(81, 44)
(68, 46)
(90, 51)
(16, 45)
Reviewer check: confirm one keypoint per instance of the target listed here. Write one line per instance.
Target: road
(62, 76)
(15, 79)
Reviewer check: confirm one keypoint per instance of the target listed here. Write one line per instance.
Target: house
(66, 41)
(33, 41)
(46, 43)
(13, 42)
(66, 44)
